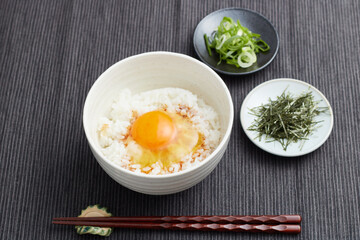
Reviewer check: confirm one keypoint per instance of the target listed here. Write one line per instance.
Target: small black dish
(254, 21)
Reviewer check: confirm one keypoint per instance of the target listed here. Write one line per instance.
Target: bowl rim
(237, 73)
(296, 154)
(101, 79)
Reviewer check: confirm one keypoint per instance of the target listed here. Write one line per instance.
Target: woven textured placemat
(51, 52)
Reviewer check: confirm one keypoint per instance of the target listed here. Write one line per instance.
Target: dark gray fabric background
(51, 52)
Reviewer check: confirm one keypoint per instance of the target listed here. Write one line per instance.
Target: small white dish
(273, 88)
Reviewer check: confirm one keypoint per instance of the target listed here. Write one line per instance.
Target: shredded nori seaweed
(287, 119)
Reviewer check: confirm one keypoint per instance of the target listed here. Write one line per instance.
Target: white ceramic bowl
(154, 70)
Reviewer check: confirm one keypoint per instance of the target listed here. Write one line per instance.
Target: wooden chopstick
(235, 219)
(236, 223)
(280, 228)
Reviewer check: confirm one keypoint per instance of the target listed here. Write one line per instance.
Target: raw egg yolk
(162, 137)
(154, 130)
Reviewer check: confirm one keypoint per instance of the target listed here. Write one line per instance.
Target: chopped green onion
(235, 44)
(246, 58)
(207, 45)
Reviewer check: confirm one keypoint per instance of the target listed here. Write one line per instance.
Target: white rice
(113, 129)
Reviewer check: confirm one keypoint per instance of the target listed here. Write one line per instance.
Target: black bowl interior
(250, 19)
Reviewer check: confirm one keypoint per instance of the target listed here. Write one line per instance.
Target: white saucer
(273, 88)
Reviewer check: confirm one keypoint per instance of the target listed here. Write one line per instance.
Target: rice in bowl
(123, 143)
